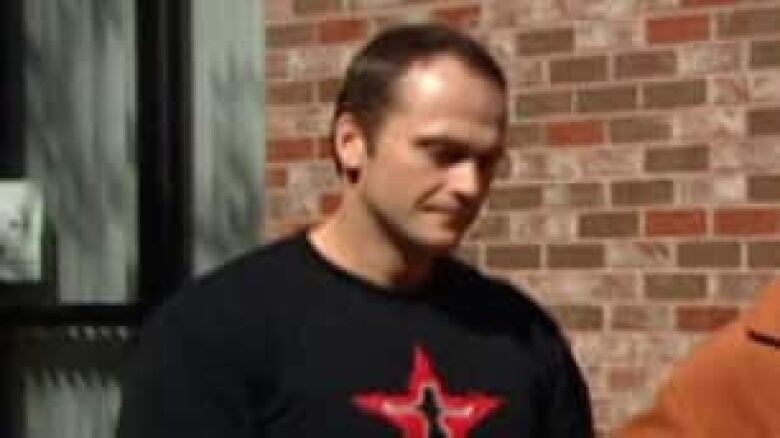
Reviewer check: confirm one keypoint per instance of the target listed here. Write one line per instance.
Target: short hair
(369, 87)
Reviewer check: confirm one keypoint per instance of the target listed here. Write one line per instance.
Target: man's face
(434, 155)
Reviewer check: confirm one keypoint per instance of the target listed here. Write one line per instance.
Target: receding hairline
(371, 89)
(423, 62)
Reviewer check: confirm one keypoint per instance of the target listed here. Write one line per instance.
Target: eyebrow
(431, 141)
(454, 145)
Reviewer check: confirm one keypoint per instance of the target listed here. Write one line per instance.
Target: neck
(352, 239)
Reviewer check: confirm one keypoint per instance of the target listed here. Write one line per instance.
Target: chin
(427, 237)
(439, 242)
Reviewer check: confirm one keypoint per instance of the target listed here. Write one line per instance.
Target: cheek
(401, 192)
(401, 174)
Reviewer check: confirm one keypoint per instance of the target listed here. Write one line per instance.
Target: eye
(489, 162)
(445, 156)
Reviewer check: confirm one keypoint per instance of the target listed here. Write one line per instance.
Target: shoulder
(495, 298)
(700, 382)
(712, 365)
(276, 261)
(233, 294)
(510, 310)
(691, 401)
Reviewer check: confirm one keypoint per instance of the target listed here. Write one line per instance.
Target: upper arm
(667, 418)
(180, 384)
(569, 411)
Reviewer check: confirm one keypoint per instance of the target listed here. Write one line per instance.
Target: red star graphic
(427, 410)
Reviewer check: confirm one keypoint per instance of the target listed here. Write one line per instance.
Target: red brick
(764, 121)
(539, 227)
(764, 188)
(542, 42)
(341, 31)
(490, 227)
(642, 192)
(513, 256)
(764, 54)
(328, 90)
(504, 168)
(579, 69)
(640, 317)
(764, 254)
(611, 224)
(575, 195)
(673, 94)
(329, 202)
(290, 149)
(276, 11)
(697, 3)
(276, 65)
(625, 378)
(640, 254)
(676, 223)
(709, 255)
(522, 71)
(747, 221)
(748, 22)
(675, 286)
(524, 134)
(640, 129)
(289, 93)
(677, 159)
(579, 316)
(704, 318)
(289, 35)
(464, 16)
(543, 103)
(576, 256)
(276, 177)
(587, 132)
(514, 198)
(678, 29)
(310, 7)
(324, 148)
(742, 287)
(607, 99)
(645, 64)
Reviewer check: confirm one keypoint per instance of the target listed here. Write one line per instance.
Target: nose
(467, 180)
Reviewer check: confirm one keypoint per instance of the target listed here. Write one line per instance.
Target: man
(729, 387)
(364, 325)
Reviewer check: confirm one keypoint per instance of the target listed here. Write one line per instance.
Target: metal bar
(12, 165)
(101, 315)
(11, 92)
(165, 146)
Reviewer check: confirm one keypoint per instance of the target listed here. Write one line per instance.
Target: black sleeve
(568, 413)
(179, 384)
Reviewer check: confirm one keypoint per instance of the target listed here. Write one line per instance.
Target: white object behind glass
(21, 219)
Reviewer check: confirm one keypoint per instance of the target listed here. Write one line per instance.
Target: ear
(351, 147)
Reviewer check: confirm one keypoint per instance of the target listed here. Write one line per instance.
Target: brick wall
(641, 200)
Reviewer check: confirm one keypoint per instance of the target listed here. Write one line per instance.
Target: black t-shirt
(282, 343)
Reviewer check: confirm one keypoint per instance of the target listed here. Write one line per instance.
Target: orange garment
(729, 387)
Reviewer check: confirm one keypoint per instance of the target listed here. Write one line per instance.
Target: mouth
(459, 218)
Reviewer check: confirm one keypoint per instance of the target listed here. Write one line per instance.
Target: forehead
(431, 73)
(442, 95)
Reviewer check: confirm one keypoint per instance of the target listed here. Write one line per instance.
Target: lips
(455, 217)
(450, 212)
(447, 211)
